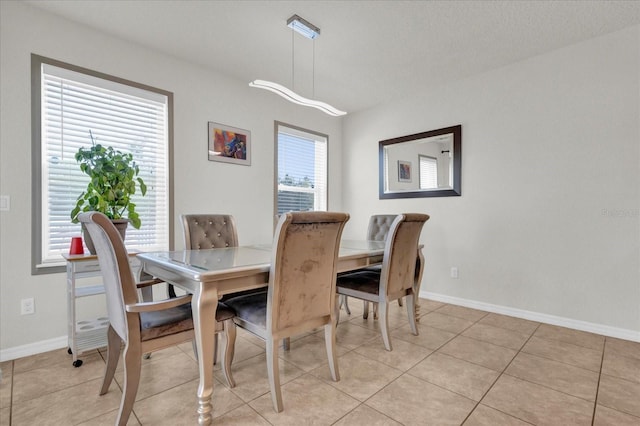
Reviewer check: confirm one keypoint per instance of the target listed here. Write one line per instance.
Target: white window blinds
(428, 172)
(301, 171)
(127, 118)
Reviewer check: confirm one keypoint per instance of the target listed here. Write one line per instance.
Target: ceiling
(368, 53)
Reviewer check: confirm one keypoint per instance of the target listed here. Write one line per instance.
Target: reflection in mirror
(422, 165)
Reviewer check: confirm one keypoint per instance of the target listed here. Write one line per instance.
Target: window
(428, 172)
(69, 104)
(301, 170)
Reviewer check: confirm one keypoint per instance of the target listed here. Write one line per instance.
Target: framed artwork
(229, 144)
(404, 171)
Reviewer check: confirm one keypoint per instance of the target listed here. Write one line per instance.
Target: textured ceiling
(369, 52)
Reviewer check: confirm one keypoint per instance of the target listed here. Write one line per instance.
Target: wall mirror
(426, 164)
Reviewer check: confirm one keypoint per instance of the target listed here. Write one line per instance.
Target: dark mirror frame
(457, 164)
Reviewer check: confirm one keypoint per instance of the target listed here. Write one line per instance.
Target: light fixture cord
(293, 62)
(313, 72)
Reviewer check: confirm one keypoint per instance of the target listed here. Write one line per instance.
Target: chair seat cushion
(224, 312)
(251, 307)
(374, 268)
(174, 320)
(365, 281)
(242, 293)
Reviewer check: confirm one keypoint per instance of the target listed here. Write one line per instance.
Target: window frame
(37, 267)
(277, 125)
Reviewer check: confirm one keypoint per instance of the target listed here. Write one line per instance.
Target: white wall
(548, 224)
(200, 186)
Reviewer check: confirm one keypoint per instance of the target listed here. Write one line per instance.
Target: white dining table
(210, 274)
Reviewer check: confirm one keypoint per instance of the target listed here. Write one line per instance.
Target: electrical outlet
(454, 272)
(27, 306)
(5, 203)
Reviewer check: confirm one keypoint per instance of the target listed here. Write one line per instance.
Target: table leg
(204, 305)
(418, 281)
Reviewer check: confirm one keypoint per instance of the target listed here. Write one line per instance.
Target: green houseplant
(113, 180)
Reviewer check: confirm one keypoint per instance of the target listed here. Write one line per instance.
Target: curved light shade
(291, 96)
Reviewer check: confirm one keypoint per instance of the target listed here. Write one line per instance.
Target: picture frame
(229, 144)
(404, 171)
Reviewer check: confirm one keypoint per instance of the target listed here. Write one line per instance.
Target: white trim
(605, 330)
(34, 348)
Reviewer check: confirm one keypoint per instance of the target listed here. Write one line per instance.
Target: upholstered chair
(396, 276)
(144, 327)
(378, 229)
(301, 295)
(208, 231)
(379, 225)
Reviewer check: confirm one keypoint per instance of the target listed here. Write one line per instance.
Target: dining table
(210, 274)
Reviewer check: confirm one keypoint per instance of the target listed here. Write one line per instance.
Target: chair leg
(375, 311)
(330, 343)
(365, 313)
(384, 324)
(411, 312)
(274, 375)
(113, 354)
(132, 367)
(171, 291)
(344, 300)
(215, 349)
(228, 350)
(400, 302)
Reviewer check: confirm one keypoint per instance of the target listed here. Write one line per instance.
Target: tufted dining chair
(207, 231)
(396, 276)
(379, 225)
(144, 327)
(378, 229)
(301, 295)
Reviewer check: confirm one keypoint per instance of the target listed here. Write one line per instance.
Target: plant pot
(121, 226)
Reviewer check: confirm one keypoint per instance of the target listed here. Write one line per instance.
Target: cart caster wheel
(69, 351)
(77, 363)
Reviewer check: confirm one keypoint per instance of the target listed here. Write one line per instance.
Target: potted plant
(113, 180)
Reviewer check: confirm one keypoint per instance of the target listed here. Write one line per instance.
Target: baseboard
(605, 330)
(33, 348)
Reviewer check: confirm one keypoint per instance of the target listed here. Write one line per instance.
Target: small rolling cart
(85, 334)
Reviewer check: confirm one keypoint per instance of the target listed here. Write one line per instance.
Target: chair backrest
(117, 276)
(302, 280)
(379, 225)
(206, 231)
(399, 260)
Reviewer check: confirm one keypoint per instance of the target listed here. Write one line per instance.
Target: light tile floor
(467, 367)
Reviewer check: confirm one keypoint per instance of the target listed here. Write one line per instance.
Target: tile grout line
(595, 401)
(478, 402)
(498, 378)
(403, 373)
(13, 366)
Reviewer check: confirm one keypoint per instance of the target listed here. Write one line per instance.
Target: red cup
(76, 246)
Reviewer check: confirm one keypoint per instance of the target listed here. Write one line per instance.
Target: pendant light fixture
(310, 31)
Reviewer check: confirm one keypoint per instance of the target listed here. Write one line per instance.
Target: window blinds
(129, 119)
(302, 171)
(428, 172)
